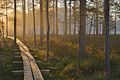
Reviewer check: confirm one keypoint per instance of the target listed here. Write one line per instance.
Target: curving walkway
(31, 69)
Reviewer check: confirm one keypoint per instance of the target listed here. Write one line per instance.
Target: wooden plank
(30, 66)
(35, 69)
(27, 69)
(36, 72)
(17, 71)
(26, 64)
(47, 70)
(17, 62)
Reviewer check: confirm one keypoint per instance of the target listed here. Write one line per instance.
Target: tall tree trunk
(70, 17)
(34, 28)
(24, 17)
(100, 24)
(48, 28)
(91, 22)
(41, 21)
(97, 17)
(66, 26)
(28, 13)
(103, 27)
(74, 17)
(57, 31)
(82, 30)
(107, 44)
(6, 19)
(3, 33)
(28, 19)
(97, 32)
(115, 23)
(15, 22)
(53, 17)
(94, 25)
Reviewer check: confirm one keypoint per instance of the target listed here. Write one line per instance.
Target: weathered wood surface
(31, 69)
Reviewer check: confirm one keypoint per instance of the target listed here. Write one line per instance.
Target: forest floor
(5, 63)
(7, 53)
(64, 61)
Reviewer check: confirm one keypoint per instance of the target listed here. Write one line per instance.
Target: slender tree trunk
(103, 27)
(3, 32)
(91, 25)
(41, 21)
(115, 23)
(100, 26)
(15, 22)
(97, 32)
(53, 17)
(34, 28)
(70, 17)
(6, 19)
(82, 30)
(74, 17)
(66, 26)
(24, 18)
(57, 31)
(48, 28)
(97, 17)
(94, 26)
(107, 44)
(29, 13)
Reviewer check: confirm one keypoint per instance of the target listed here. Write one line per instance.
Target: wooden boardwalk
(31, 69)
